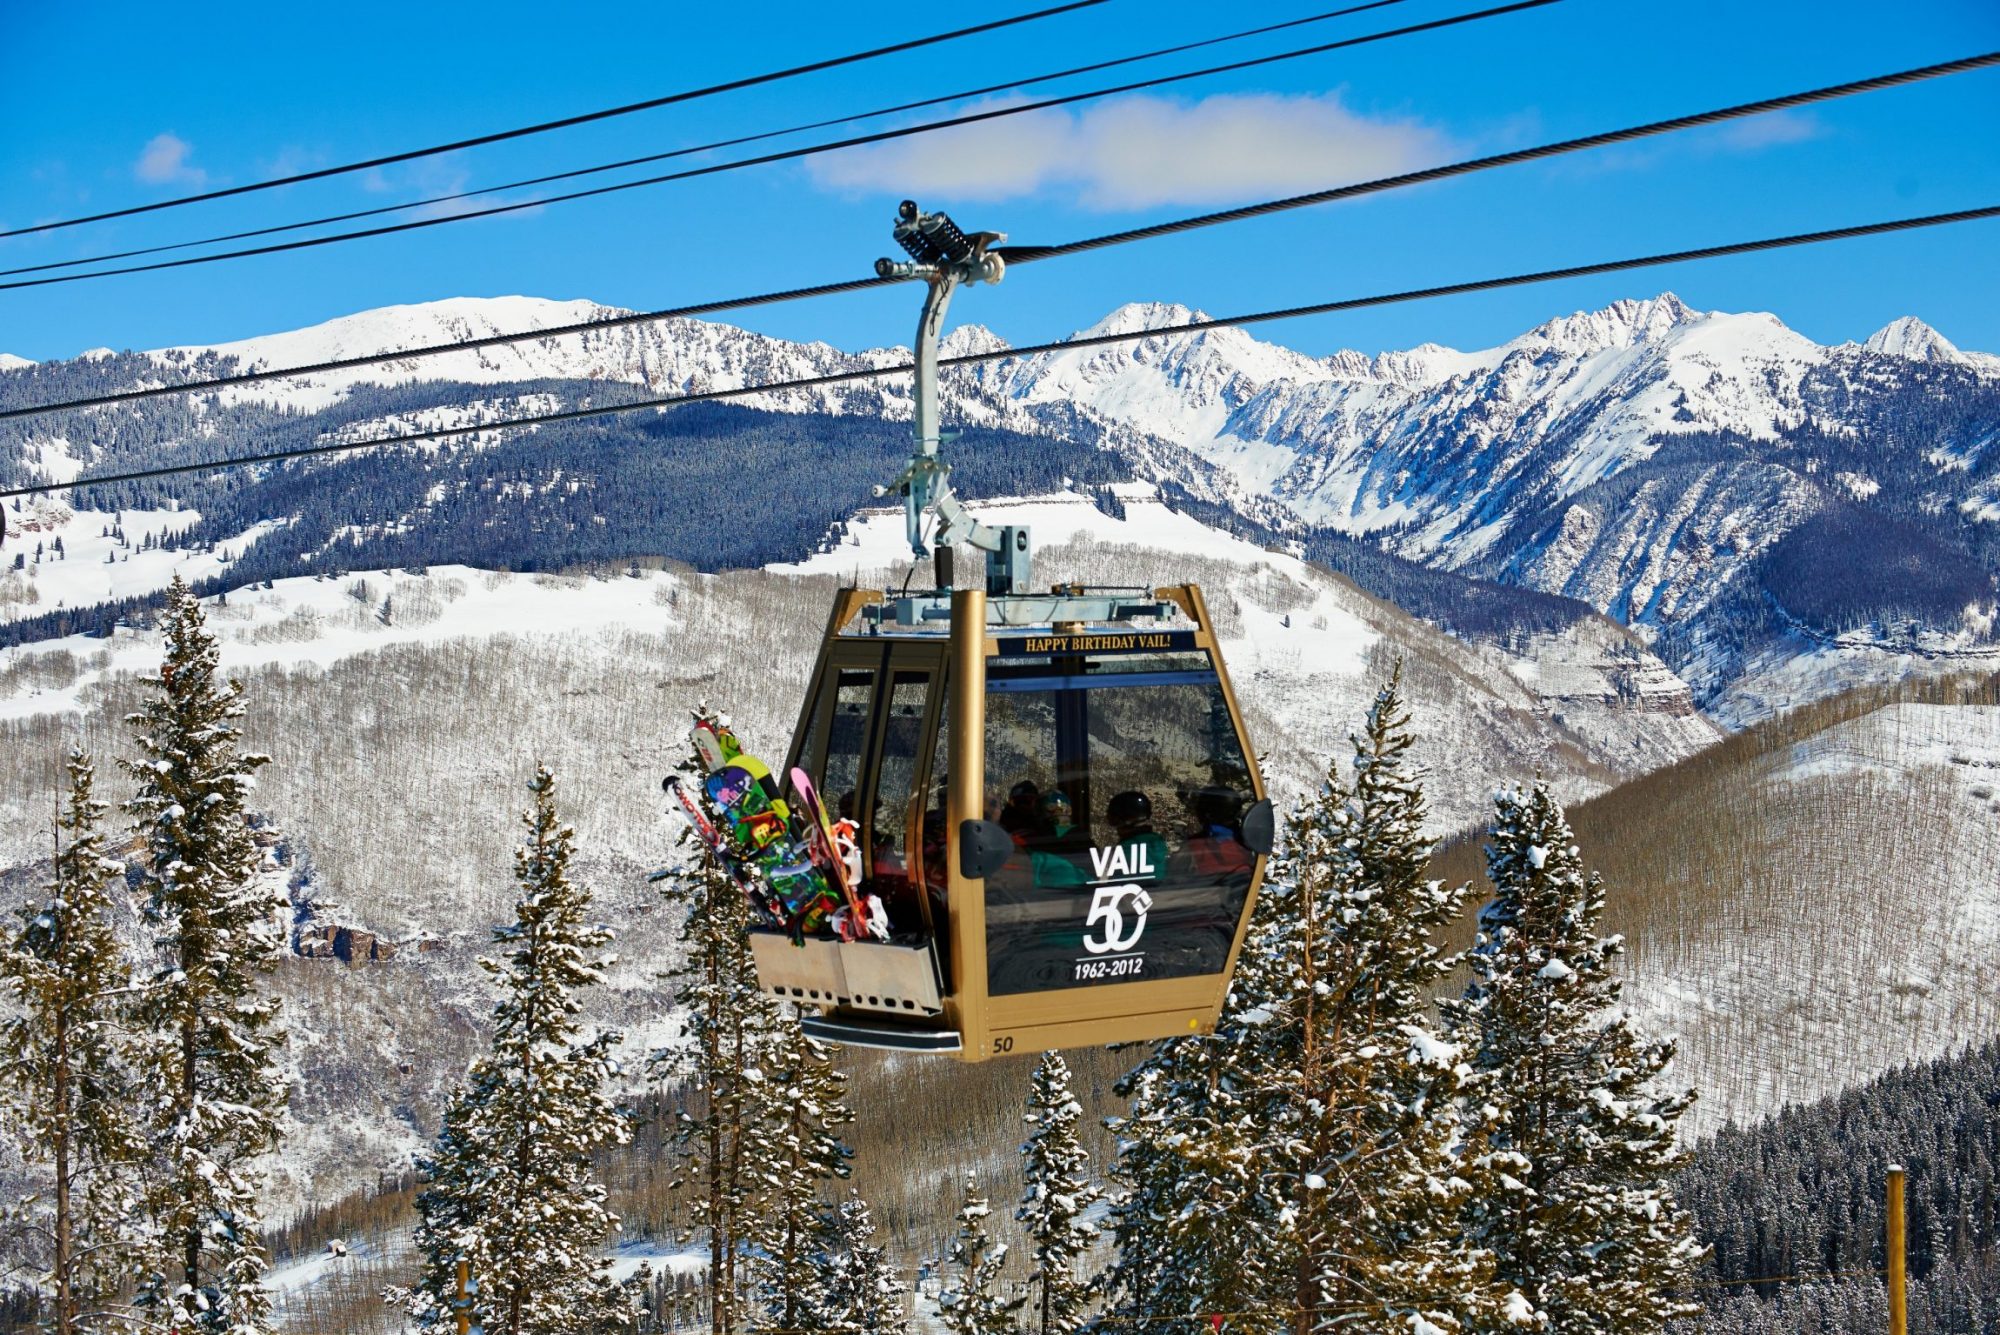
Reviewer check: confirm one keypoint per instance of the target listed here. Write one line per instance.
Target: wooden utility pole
(1899, 1316)
(462, 1304)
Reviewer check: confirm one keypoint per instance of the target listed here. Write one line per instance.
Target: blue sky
(117, 103)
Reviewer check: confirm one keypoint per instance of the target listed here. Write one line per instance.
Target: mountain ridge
(1648, 459)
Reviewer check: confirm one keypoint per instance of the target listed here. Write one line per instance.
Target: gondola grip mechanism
(943, 257)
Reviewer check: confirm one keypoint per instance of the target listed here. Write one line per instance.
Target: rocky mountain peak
(1618, 325)
(1910, 337)
(1134, 316)
(970, 339)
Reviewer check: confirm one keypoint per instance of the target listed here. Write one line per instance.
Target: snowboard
(835, 846)
(704, 830)
(754, 831)
(714, 741)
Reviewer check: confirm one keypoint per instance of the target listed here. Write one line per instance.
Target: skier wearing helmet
(1060, 849)
(1131, 815)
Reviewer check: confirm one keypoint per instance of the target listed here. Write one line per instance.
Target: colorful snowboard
(835, 847)
(704, 829)
(754, 831)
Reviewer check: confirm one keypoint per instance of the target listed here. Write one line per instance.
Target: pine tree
(727, 1039)
(802, 1153)
(1206, 1225)
(511, 1186)
(859, 1288)
(1583, 1221)
(208, 1046)
(1358, 1098)
(64, 1083)
(1192, 1229)
(1055, 1173)
(1392, 1085)
(973, 1305)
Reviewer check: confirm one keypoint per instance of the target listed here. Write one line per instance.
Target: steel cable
(1030, 254)
(566, 122)
(790, 154)
(740, 140)
(1034, 349)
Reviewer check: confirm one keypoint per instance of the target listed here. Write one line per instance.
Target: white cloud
(430, 178)
(164, 161)
(1136, 152)
(1779, 127)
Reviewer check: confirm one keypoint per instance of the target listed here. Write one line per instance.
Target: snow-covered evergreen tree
(511, 1186)
(1209, 1152)
(1582, 1219)
(859, 1288)
(801, 1152)
(729, 1037)
(1055, 1174)
(971, 1302)
(1194, 1224)
(1303, 1168)
(66, 1092)
(208, 1043)
(1382, 1176)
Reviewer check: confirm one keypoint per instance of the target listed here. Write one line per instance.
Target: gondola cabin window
(878, 736)
(1123, 782)
(847, 740)
(889, 869)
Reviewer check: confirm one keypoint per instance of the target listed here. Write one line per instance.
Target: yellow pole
(968, 802)
(464, 1303)
(1899, 1316)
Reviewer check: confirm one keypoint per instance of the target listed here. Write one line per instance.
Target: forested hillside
(1802, 1194)
(1776, 516)
(713, 485)
(1813, 900)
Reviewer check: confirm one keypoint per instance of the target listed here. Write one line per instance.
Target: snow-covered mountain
(669, 356)
(1741, 496)
(1769, 517)
(1911, 338)
(1644, 458)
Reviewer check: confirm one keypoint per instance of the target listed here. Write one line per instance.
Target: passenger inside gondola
(1214, 846)
(1059, 848)
(1022, 815)
(1140, 854)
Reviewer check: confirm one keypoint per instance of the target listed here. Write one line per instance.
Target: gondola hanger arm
(942, 257)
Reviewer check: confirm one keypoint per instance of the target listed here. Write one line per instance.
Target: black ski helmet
(1131, 807)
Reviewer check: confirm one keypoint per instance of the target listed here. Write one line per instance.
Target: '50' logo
(1108, 915)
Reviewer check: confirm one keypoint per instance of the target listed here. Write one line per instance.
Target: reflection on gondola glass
(1131, 867)
(847, 739)
(895, 787)
(937, 814)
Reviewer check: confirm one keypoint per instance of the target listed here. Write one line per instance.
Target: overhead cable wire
(961, 96)
(585, 118)
(1033, 349)
(792, 154)
(460, 345)
(1030, 254)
